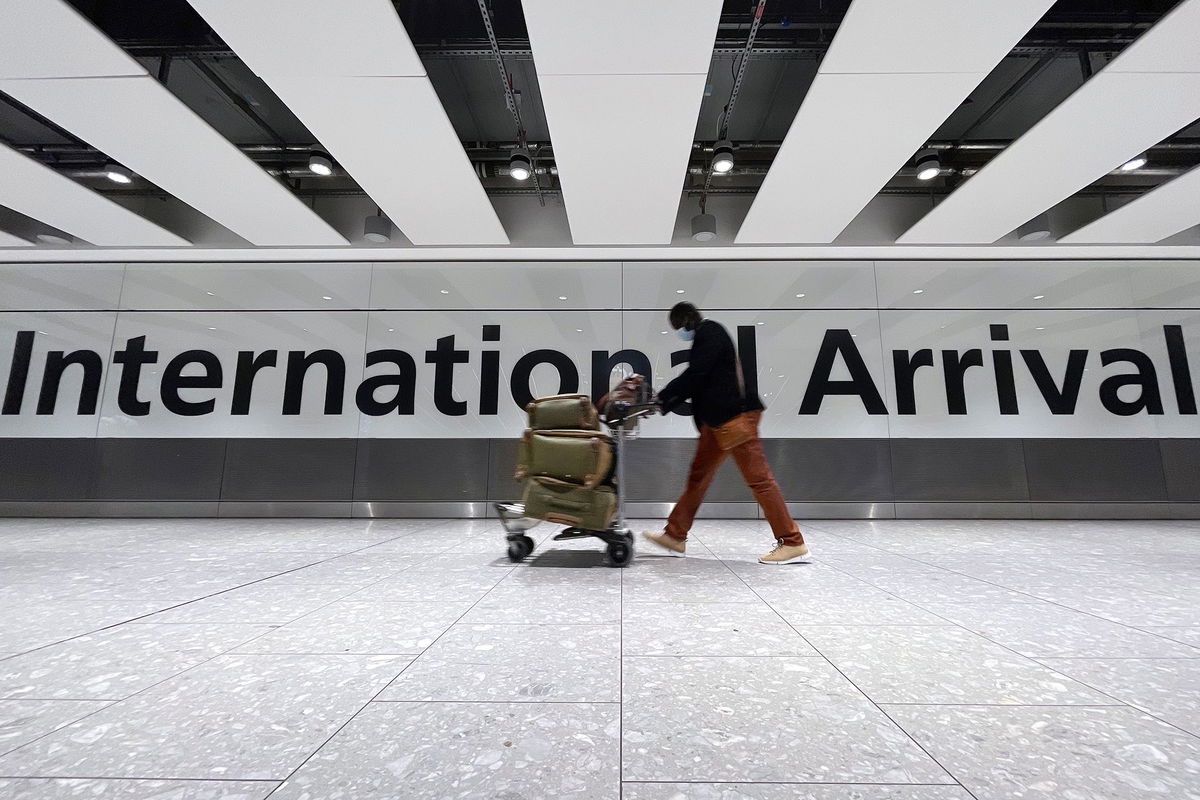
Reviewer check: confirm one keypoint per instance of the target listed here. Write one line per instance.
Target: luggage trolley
(622, 422)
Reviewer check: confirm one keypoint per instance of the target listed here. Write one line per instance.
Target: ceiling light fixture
(117, 173)
(704, 227)
(929, 166)
(320, 163)
(377, 228)
(722, 160)
(1137, 162)
(520, 165)
(1036, 230)
(51, 237)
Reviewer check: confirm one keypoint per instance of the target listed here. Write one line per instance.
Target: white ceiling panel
(8, 240)
(621, 37)
(811, 193)
(1163, 212)
(393, 137)
(315, 37)
(886, 36)
(140, 124)
(37, 191)
(888, 69)
(1173, 45)
(621, 84)
(1148, 92)
(1109, 120)
(50, 39)
(621, 145)
(361, 89)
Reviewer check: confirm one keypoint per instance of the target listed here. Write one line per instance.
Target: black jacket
(710, 380)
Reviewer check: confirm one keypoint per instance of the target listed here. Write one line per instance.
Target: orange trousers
(755, 471)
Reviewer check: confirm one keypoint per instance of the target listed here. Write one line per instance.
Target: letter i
(1006, 385)
(489, 373)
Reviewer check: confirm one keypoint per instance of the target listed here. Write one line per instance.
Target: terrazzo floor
(912, 660)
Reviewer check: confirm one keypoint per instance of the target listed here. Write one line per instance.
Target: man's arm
(702, 360)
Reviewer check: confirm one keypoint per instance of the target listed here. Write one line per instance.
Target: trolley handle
(624, 411)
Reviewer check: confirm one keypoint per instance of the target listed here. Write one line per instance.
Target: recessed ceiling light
(117, 173)
(1039, 296)
(47, 237)
(1137, 162)
(1036, 229)
(1040, 329)
(561, 297)
(445, 291)
(704, 228)
(760, 323)
(800, 295)
(391, 330)
(326, 297)
(212, 329)
(210, 294)
(664, 333)
(918, 291)
(579, 330)
(377, 228)
(320, 163)
(722, 162)
(679, 291)
(929, 166)
(520, 165)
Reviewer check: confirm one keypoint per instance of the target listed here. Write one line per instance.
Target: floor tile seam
(1042, 599)
(382, 689)
(108, 700)
(1123, 706)
(1004, 705)
(865, 696)
(789, 783)
(502, 702)
(147, 688)
(1004, 646)
(107, 705)
(124, 778)
(888, 592)
(1116, 658)
(1036, 661)
(720, 655)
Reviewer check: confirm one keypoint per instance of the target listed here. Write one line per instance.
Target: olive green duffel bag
(583, 458)
(567, 504)
(563, 411)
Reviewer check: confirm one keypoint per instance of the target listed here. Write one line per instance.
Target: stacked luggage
(570, 470)
(566, 462)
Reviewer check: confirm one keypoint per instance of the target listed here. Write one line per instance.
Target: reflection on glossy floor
(409, 659)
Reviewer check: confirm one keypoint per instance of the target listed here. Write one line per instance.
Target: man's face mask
(685, 334)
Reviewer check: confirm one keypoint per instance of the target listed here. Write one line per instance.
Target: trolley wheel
(519, 548)
(620, 553)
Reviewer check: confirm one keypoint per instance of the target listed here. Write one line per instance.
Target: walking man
(727, 418)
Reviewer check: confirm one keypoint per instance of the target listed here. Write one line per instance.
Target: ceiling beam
(349, 72)
(40, 192)
(72, 74)
(889, 80)
(621, 82)
(1146, 94)
(1152, 217)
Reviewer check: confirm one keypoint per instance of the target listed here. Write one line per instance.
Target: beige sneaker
(673, 546)
(786, 554)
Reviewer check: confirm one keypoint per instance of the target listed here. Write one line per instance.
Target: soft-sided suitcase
(583, 458)
(567, 504)
(563, 411)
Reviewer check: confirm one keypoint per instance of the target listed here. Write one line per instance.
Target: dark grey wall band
(378, 477)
